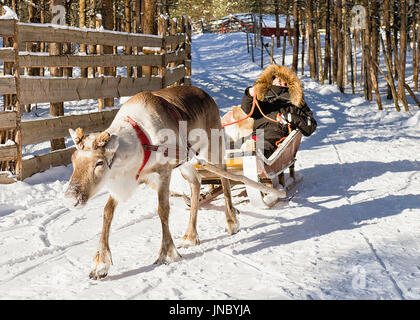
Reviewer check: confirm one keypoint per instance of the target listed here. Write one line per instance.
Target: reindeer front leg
(103, 259)
(167, 252)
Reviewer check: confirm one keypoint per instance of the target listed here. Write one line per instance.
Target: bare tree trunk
(390, 77)
(296, 35)
(138, 29)
(320, 70)
(289, 4)
(31, 47)
(345, 44)
(276, 13)
(67, 71)
(127, 49)
(349, 47)
(366, 55)
(327, 54)
(403, 46)
(340, 45)
(334, 43)
(82, 24)
(374, 50)
(387, 18)
(91, 23)
(148, 26)
(394, 38)
(108, 24)
(416, 79)
(284, 48)
(303, 33)
(416, 48)
(311, 42)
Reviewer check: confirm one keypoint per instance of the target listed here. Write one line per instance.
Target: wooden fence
(169, 53)
(233, 23)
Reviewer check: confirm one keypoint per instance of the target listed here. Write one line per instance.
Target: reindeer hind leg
(190, 174)
(230, 211)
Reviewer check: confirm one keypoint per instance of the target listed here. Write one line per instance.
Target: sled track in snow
(368, 242)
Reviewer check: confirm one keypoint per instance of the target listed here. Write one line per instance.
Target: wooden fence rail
(170, 53)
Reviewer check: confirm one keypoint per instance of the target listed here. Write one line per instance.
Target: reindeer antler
(80, 135)
(101, 140)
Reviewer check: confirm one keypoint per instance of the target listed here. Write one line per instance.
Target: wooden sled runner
(266, 174)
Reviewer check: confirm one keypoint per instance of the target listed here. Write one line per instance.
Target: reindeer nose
(71, 197)
(70, 192)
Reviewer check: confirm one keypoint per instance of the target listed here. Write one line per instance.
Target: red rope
(255, 103)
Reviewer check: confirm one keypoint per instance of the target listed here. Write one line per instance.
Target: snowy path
(352, 231)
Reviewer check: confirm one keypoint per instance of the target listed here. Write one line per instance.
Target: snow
(351, 232)
(8, 143)
(9, 14)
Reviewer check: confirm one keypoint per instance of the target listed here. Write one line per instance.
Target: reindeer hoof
(189, 241)
(97, 276)
(232, 228)
(171, 256)
(100, 268)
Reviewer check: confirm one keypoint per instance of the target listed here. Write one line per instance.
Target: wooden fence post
(187, 79)
(174, 30)
(182, 29)
(162, 28)
(100, 51)
(17, 107)
(56, 108)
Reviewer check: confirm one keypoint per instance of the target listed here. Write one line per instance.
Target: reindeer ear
(112, 144)
(77, 137)
(111, 147)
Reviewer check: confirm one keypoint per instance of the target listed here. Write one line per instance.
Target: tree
(327, 54)
(82, 24)
(403, 54)
(311, 42)
(296, 34)
(340, 45)
(108, 24)
(149, 25)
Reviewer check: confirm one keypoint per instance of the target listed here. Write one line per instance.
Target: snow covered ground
(352, 231)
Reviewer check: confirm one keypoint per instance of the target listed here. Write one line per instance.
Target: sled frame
(254, 166)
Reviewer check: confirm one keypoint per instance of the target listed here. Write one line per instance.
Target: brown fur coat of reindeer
(111, 159)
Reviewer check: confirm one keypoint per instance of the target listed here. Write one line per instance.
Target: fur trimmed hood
(288, 76)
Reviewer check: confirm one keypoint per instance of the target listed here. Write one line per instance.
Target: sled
(254, 166)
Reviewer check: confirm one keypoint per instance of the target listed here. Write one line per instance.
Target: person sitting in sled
(279, 94)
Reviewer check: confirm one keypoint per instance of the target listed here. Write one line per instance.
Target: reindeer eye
(99, 163)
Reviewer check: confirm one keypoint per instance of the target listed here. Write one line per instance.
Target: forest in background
(322, 32)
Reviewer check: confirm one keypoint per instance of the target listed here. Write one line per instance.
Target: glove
(280, 117)
(297, 118)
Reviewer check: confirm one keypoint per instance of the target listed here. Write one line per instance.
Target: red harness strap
(144, 141)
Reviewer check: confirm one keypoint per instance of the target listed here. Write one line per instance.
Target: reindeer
(130, 152)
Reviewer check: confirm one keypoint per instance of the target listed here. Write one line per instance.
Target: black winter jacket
(277, 100)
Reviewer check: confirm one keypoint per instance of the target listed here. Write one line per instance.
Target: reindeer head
(91, 162)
